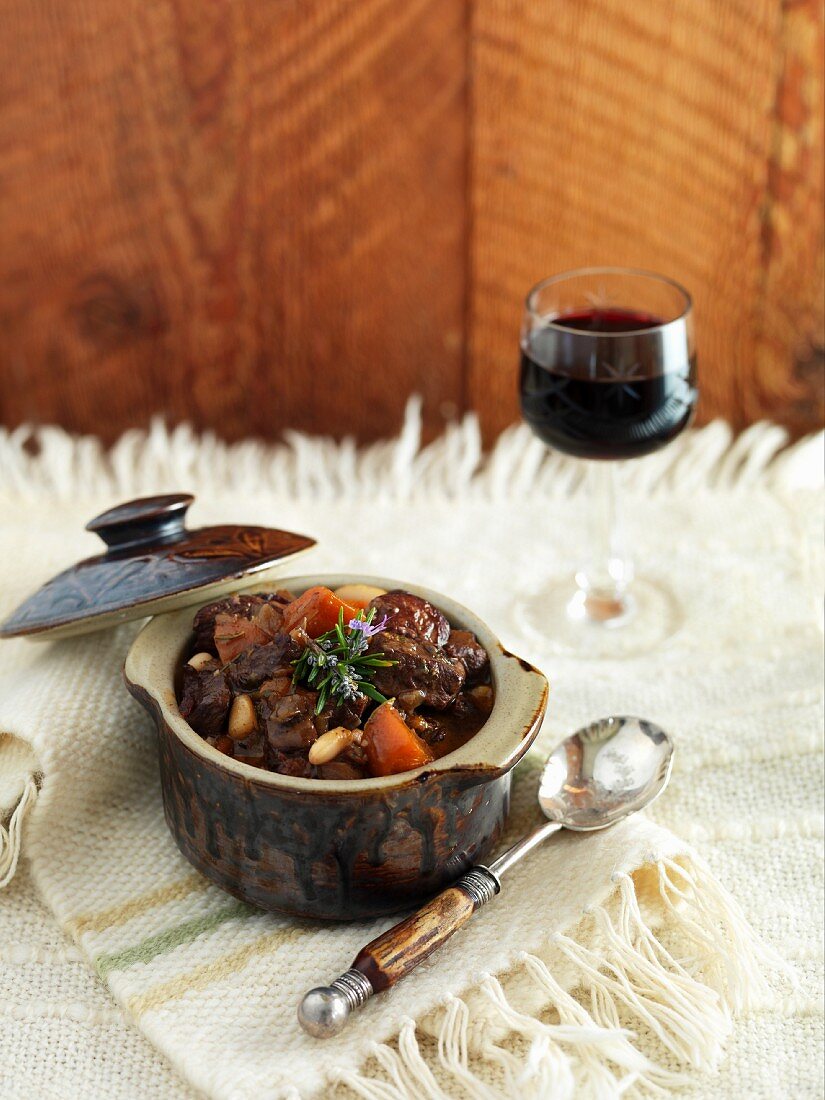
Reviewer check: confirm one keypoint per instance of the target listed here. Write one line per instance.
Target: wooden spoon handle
(401, 948)
(393, 954)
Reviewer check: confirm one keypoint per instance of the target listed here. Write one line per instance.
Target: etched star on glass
(622, 375)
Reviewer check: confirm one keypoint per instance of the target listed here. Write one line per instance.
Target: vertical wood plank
(609, 132)
(788, 381)
(250, 216)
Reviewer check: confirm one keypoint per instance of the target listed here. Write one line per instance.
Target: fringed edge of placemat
(627, 981)
(11, 832)
(47, 461)
(19, 788)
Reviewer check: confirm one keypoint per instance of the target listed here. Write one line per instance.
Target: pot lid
(153, 564)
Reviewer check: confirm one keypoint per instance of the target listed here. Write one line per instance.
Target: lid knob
(147, 520)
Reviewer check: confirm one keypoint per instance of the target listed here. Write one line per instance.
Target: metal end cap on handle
(325, 1010)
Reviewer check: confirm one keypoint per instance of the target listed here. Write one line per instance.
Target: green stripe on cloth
(212, 972)
(165, 941)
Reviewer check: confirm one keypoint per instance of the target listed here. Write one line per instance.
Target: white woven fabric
(736, 536)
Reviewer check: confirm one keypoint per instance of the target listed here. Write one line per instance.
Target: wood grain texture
(609, 132)
(789, 371)
(247, 215)
(390, 957)
(293, 215)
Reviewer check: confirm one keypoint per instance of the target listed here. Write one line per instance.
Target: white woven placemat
(735, 534)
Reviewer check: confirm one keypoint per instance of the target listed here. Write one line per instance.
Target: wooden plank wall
(259, 216)
(789, 368)
(248, 215)
(609, 131)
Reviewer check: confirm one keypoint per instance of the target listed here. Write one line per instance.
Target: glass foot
(569, 621)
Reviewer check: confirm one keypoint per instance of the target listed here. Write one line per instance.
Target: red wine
(606, 383)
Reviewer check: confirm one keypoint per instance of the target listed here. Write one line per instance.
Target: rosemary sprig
(337, 664)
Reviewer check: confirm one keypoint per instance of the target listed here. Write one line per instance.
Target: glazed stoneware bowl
(335, 849)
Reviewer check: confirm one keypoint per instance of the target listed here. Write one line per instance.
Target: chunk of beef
(222, 743)
(464, 645)
(288, 722)
(282, 597)
(205, 700)
(419, 665)
(473, 704)
(291, 722)
(251, 750)
(239, 604)
(340, 769)
(483, 698)
(429, 728)
(347, 714)
(263, 662)
(409, 701)
(412, 616)
(279, 685)
(291, 764)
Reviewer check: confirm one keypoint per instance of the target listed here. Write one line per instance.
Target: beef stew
(348, 684)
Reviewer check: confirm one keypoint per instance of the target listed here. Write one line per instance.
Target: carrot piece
(391, 746)
(320, 607)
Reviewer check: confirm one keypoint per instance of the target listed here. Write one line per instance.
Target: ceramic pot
(335, 849)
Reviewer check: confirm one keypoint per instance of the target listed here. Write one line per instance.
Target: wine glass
(608, 372)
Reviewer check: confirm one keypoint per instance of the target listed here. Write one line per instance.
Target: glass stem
(604, 579)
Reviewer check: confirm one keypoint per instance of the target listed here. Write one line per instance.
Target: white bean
(200, 660)
(358, 595)
(331, 744)
(242, 718)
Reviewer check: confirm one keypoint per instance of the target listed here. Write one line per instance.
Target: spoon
(597, 776)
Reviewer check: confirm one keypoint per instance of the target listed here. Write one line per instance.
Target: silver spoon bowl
(593, 779)
(604, 772)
